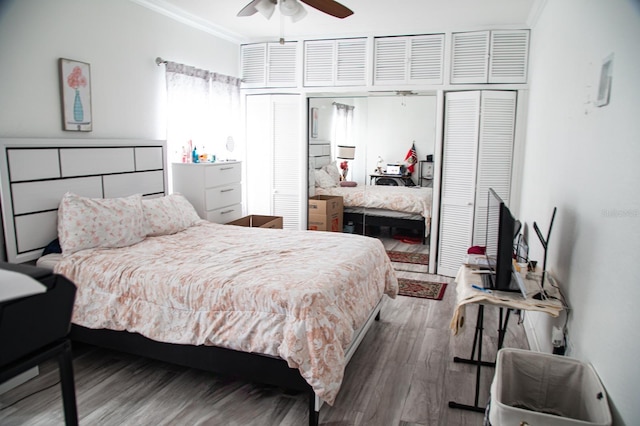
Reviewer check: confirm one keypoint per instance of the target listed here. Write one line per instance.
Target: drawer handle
(227, 211)
(226, 190)
(226, 168)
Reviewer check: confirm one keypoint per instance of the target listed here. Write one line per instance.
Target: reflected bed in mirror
(407, 207)
(380, 129)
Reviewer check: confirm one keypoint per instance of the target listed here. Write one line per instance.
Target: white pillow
(323, 180)
(85, 223)
(333, 171)
(168, 215)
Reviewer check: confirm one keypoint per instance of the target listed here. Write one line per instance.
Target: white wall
(394, 123)
(120, 40)
(584, 160)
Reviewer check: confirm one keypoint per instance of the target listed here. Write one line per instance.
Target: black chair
(35, 328)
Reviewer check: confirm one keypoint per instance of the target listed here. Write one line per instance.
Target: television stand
(506, 302)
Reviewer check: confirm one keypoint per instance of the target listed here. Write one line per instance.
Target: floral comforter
(297, 295)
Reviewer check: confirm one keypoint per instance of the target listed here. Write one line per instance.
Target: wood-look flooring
(402, 374)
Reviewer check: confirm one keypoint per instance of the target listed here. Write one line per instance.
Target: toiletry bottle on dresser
(194, 156)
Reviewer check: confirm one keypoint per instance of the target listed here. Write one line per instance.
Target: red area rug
(408, 257)
(423, 289)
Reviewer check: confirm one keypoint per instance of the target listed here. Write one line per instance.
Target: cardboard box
(257, 221)
(325, 213)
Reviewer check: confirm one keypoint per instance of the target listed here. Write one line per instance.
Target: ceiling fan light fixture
(266, 8)
(292, 9)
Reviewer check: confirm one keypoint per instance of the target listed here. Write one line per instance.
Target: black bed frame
(360, 220)
(247, 366)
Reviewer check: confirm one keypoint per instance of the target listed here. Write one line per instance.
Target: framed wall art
(314, 122)
(75, 94)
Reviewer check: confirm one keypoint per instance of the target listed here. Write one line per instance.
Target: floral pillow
(323, 180)
(85, 223)
(168, 215)
(333, 171)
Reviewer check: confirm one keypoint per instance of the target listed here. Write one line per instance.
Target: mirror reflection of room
(376, 152)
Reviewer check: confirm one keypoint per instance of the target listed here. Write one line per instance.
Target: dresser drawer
(225, 214)
(222, 174)
(221, 196)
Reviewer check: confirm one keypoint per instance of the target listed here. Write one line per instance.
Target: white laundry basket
(532, 388)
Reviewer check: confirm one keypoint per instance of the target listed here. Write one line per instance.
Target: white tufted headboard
(35, 174)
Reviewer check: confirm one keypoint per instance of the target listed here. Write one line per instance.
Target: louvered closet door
(470, 57)
(495, 154)
(425, 59)
(259, 154)
(286, 166)
(274, 182)
(461, 127)
(509, 56)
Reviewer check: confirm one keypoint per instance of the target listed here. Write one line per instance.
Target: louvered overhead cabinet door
(269, 65)
(498, 56)
(477, 155)
(408, 60)
(341, 62)
(253, 60)
(509, 56)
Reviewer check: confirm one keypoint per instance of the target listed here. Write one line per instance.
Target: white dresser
(214, 189)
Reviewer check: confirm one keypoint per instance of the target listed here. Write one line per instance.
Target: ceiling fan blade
(330, 7)
(249, 9)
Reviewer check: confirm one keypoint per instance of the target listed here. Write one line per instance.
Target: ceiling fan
(294, 9)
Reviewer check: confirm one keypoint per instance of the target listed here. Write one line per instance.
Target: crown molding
(191, 20)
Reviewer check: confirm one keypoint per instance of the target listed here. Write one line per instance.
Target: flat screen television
(501, 230)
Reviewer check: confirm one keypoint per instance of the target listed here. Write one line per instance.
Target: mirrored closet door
(374, 151)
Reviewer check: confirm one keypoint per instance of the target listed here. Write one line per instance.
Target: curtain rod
(160, 61)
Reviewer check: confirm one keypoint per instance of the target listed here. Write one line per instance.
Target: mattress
(297, 295)
(407, 199)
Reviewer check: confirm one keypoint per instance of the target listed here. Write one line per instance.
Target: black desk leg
(503, 321)
(502, 327)
(67, 384)
(477, 339)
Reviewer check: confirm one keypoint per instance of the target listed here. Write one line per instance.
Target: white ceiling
(371, 17)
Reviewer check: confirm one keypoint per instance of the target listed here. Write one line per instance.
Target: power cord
(30, 395)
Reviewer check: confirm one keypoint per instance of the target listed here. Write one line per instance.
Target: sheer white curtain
(342, 126)
(202, 107)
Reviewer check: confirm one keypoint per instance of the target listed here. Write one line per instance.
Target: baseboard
(530, 332)
(19, 379)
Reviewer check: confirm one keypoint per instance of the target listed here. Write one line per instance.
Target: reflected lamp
(345, 152)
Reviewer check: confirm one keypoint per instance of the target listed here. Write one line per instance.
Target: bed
(407, 207)
(280, 307)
